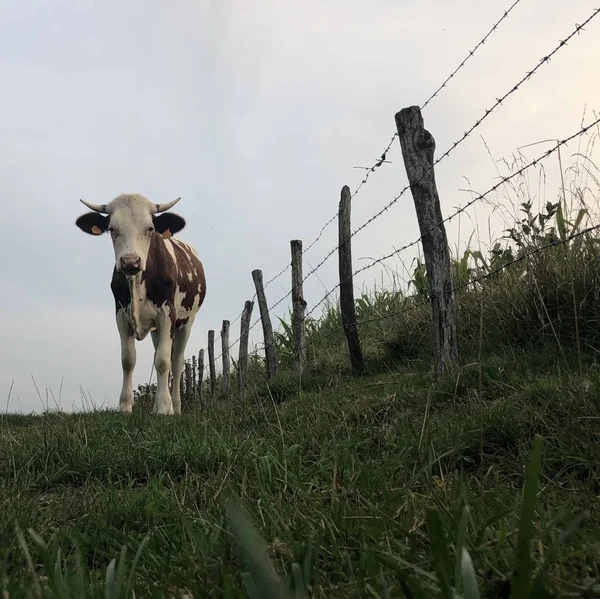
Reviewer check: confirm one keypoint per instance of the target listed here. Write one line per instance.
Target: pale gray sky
(255, 113)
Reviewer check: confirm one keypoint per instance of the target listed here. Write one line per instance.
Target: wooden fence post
(347, 307)
(211, 362)
(194, 369)
(243, 357)
(225, 354)
(188, 383)
(298, 307)
(200, 376)
(418, 147)
(266, 324)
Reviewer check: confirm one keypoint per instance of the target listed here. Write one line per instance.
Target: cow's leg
(127, 362)
(162, 364)
(178, 362)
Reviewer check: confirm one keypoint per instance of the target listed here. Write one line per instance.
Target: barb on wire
(468, 283)
(470, 54)
(478, 197)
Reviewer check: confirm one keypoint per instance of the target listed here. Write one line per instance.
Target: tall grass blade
(440, 552)
(253, 553)
(523, 562)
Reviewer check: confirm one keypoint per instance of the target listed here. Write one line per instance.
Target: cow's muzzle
(130, 264)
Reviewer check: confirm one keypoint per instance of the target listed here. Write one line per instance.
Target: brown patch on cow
(160, 275)
(187, 263)
(161, 279)
(96, 230)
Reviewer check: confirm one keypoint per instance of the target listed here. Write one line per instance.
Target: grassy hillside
(354, 466)
(359, 486)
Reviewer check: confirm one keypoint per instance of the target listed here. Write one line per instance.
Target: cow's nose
(130, 263)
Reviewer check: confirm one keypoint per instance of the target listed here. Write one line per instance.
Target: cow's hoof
(125, 408)
(164, 410)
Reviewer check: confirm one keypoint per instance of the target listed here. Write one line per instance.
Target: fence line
(478, 197)
(456, 288)
(471, 282)
(383, 156)
(513, 89)
(466, 134)
(544, 60)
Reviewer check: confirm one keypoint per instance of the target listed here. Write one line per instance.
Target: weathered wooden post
(270, 354)
(347, 306)
(188, 382)
(211, 362)
(225, 355)
(298, 307)
(243, 356)
(200, 376)
(194, 369)
(418, 147)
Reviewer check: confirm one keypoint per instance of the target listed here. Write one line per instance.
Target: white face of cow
(131, 228)
(132, 224)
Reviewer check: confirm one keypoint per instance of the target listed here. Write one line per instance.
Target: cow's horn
(101, 208)
(164, 207)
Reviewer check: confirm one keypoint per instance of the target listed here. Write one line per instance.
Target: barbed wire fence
(415, 305)
(376, 165)
(383, 159)
(477, 198)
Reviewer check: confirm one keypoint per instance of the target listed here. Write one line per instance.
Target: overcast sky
(255, 113)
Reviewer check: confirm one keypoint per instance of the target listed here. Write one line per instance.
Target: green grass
(390, 484)
(353, 467)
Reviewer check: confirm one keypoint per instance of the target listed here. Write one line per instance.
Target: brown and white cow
(158, 284)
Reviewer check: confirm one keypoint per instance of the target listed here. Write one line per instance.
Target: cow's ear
(93, 223)
(168, 224)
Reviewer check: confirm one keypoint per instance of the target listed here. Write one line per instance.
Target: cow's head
(132, 222)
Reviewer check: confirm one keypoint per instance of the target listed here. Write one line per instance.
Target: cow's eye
(150, 229)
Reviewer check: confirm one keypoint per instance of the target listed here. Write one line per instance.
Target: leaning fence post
(418, 147)
(188, 383)
(211, 362)
(194, 368)
(200, 375)
(243, 357)
(266, 324)
(347, 306)
(225, 354)
(298, 307)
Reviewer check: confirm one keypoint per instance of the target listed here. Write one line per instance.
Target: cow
(158, 284)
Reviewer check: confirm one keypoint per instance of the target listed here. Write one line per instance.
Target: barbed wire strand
(383, 156)
(544, 60)
(478, 197)
(468, 283)
(466, 134)
(470, 54)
